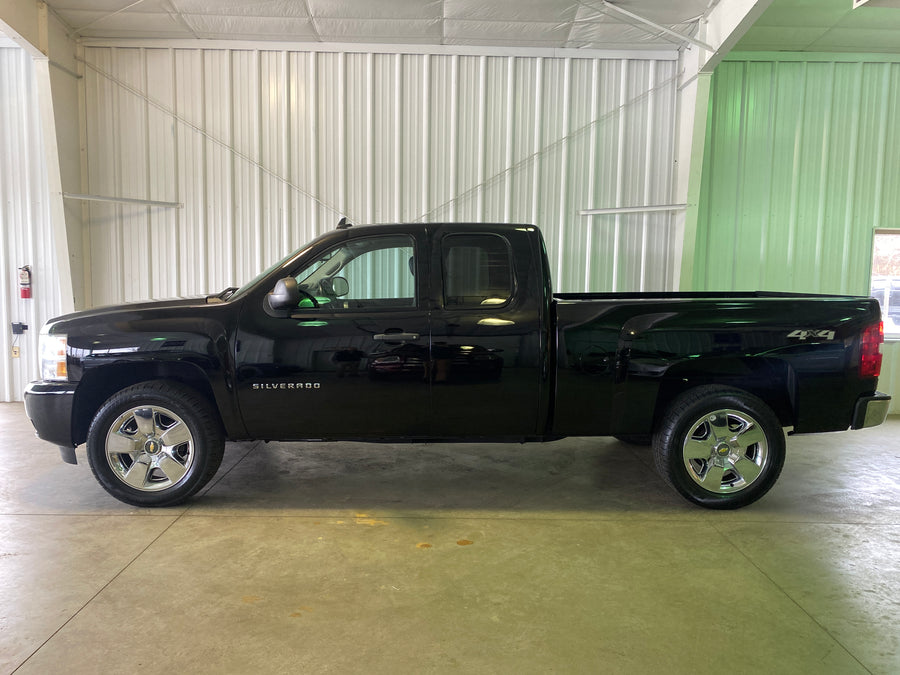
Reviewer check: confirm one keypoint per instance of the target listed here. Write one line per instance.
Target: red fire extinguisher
(25, 282)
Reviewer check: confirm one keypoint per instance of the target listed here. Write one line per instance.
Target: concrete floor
(351, 558)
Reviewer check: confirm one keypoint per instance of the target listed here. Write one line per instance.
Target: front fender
(102, 380)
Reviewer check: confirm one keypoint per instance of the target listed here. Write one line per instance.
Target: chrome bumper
(871, 410)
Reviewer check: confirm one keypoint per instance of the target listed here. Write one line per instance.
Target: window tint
(477, 271)
(370, 273)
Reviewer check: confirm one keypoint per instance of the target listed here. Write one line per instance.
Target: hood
(136, 308)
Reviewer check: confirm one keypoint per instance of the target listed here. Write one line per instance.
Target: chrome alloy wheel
(150, 448)
(725, 451)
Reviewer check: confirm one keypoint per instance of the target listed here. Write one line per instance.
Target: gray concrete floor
(351, 558)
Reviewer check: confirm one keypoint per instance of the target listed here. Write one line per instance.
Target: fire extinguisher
(25, 282)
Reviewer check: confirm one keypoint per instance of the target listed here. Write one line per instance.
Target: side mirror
(340, 286)
(285, 295)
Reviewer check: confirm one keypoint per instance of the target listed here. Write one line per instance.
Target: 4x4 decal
(801, 334)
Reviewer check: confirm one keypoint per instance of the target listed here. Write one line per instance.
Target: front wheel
(155, 444)
(720, 448)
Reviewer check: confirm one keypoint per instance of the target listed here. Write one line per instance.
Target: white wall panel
(26, 231)
(266, 149)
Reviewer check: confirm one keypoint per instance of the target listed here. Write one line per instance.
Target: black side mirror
(285, 295)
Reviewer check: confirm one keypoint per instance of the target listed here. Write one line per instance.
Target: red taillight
(870, 350)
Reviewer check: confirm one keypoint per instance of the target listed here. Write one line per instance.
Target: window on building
(886, 278)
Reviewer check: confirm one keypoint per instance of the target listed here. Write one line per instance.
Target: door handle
(396, 337)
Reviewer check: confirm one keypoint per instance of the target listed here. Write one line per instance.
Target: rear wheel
(720, 448)
(155, 444)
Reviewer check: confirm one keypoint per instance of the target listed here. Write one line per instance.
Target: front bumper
(871, 410)
(49, 407)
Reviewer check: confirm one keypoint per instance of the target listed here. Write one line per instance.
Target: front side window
(886, 278)
(477, 271)
(369, 273)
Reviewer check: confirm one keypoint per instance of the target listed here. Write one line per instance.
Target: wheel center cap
(151, 447)
(722, 449)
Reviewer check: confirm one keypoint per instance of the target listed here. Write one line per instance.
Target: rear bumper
(49, 407)
(870, 411)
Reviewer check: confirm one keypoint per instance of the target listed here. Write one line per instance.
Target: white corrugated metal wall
(266, 149)
(26, 232)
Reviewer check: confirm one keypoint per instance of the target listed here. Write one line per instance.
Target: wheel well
(772, 381)
(99, 384)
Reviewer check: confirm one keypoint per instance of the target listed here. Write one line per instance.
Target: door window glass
(477, 271)
(370, 273)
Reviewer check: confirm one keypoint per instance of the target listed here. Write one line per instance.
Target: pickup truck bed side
(795, 352)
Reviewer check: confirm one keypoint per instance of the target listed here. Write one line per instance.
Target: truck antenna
(343, 223)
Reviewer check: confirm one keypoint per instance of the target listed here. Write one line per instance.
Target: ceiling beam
(106, 16)
(726, 24)
(679, 37)
(312, 21)
(21, 21)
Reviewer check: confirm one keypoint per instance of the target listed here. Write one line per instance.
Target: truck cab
(390, 333)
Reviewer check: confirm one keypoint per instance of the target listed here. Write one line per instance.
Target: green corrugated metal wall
(802, 162)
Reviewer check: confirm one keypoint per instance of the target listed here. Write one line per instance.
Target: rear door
(487, 351)
(351, 360)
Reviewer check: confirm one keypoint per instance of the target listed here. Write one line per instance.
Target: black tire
(635, 439)
(719, 447)
(155, 444)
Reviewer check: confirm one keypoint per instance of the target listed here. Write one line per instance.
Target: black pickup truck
(452, 332)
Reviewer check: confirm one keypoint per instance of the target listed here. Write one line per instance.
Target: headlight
(53, 355)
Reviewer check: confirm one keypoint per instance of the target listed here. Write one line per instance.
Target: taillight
(870, 350)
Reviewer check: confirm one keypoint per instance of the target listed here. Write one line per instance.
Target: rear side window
(478, 271)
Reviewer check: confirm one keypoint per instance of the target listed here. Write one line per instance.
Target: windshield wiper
(224, 295)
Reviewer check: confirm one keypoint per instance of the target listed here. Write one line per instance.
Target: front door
(351, 360)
